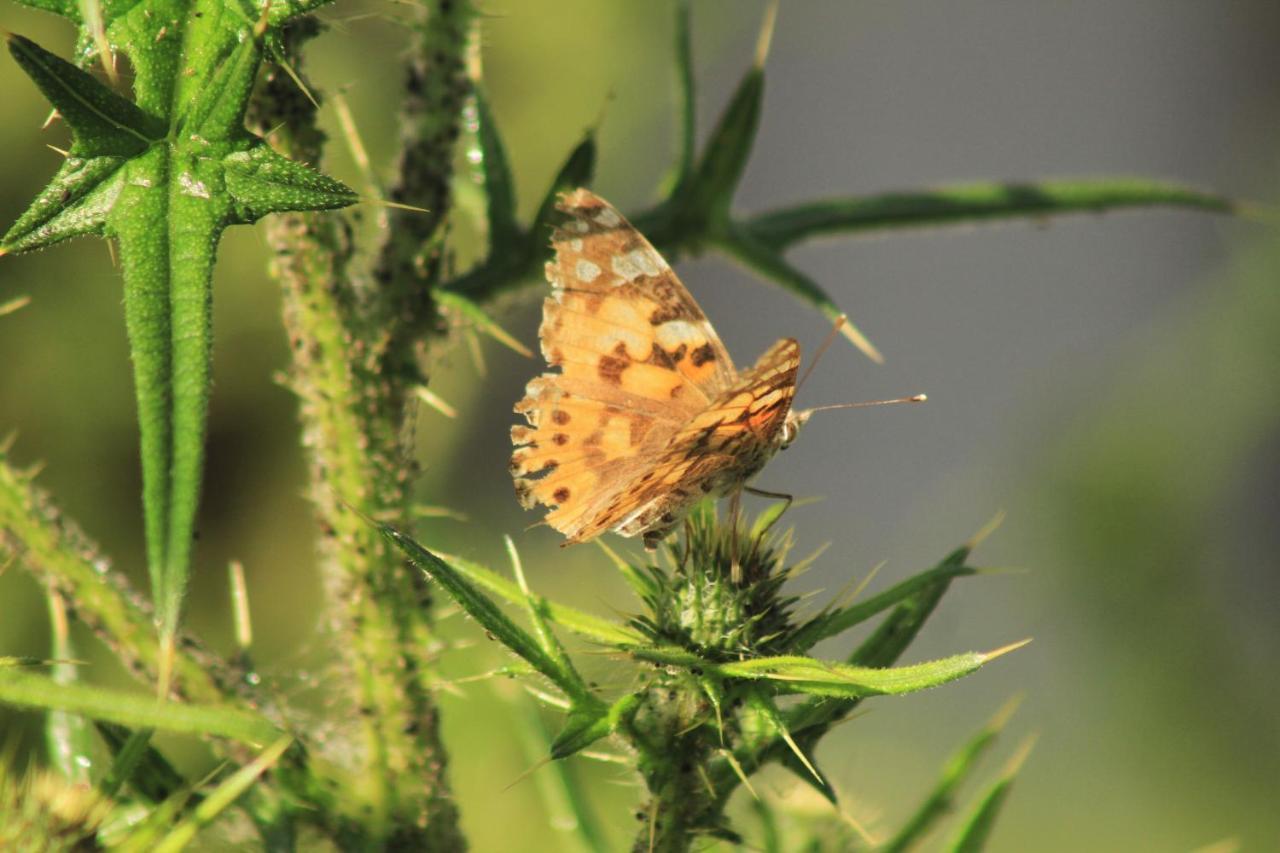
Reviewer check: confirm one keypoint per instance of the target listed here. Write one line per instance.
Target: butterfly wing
(637, 361)
(717, 451)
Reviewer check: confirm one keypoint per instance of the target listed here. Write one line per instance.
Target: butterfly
(647, 414)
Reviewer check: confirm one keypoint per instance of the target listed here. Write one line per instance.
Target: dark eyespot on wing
(610, 369)
(702, 355)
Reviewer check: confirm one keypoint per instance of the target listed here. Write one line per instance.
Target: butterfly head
(791, 427)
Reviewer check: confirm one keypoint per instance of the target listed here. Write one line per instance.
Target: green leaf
(966, 204)
(221, 798)
(585, 624)
(102, 122)
(891, 638)
(798, 674)
(741, 245)
(260, 182)
(577, 171)
(976, 829)
(499, 184)
(148, 772)
(837, 621)
(941, 800)
(536, 607)
(688, 98)
(492, 619)
(709, 194)
(795, 674)
(586, 725)
(164, 175)
(130, 709)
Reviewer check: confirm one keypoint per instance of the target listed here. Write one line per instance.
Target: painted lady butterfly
(647, 414)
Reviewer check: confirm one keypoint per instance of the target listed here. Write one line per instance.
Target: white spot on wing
(647, 261)
(587, 271)
(673, 333)
(579, 226)
(576, 244)
(608, 218)
(625, 267)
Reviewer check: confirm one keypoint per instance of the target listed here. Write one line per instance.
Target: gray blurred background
(1108, 381)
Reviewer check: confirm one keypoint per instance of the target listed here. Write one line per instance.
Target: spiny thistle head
(42, 810)
(720, 593)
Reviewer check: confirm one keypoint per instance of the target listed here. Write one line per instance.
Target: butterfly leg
(777, 496)
(735, 506)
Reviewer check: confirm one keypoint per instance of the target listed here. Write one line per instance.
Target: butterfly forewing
(646, 412)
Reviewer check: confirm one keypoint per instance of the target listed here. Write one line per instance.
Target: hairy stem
(355, 354)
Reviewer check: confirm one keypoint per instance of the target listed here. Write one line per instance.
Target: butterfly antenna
(826, 343)
(914, 398)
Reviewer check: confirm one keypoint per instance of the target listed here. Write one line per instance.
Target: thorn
(397, 205)
(766, 35)
(6, 443)
(476, 353)
(1007, 710)
(738, 771)
(434, 401)
(427, 511)
(860, 341)
(516, 567)
(706, 780)
(1014, 764)
(240, 606)
(53, 116)
(799, 753)
(355, 144)
(526, 774)
(260, 28)
(15, 304)
(297, 80)
(986, 530)
(57, 149)
(1004, 650)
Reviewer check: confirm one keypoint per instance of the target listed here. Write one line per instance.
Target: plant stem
(355, 350)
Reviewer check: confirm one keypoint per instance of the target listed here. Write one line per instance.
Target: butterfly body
(647, 414)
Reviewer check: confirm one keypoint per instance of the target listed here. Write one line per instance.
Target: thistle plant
(217, 127)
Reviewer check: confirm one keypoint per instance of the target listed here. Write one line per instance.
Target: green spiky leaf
(499, 183)
(967, 204)
(163, 175)
(940, 801)
(584, 624)
(978, 824)
(831, 623)
(741, 245)
(481, 608)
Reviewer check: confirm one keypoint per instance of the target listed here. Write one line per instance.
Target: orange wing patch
(646, 413)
